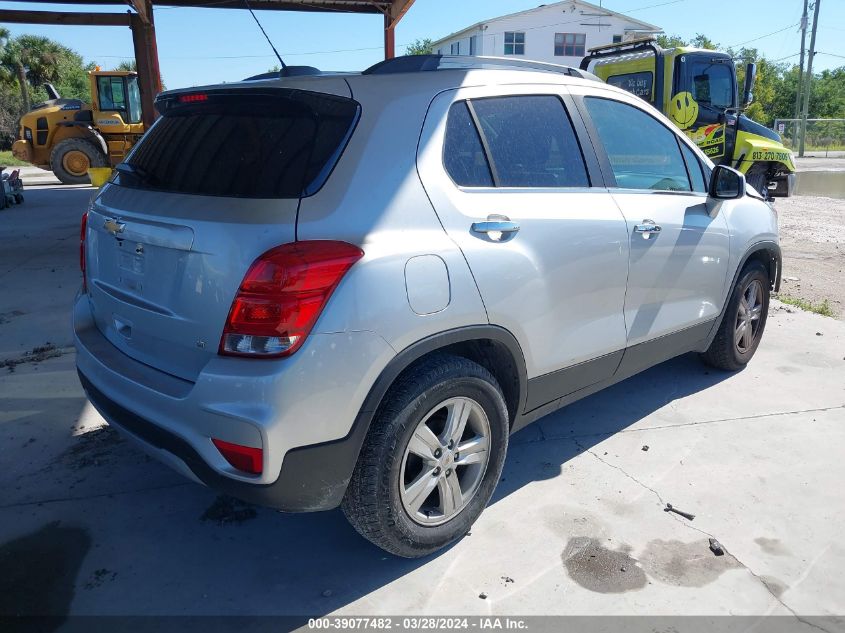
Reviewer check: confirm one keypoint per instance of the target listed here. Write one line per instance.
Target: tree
(33, 60)
(420, 47)
(670, 41)
(127, 65)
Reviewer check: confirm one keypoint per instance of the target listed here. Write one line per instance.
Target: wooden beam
(64, 18)
(398, 9)
(144, 9)
(389, 39)
(332, 6)
(146, 61)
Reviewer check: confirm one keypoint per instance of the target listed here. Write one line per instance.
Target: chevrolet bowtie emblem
(114, 226)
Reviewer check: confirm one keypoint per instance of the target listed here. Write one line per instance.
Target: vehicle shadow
(174, 547)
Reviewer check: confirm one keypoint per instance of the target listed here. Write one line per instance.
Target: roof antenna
(252, 13)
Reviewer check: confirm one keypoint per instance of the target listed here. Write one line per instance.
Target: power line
(766, 35)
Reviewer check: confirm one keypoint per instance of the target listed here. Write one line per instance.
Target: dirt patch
(93, 448)
(772, 546)
(226, 509)
(99, 577)
(600, 569)
(685, 564)
(812, 236)
(35, 355)
(40, 569)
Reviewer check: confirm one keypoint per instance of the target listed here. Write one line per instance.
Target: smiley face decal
(683, 110)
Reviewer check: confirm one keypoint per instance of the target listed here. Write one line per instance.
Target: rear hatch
(213, 184)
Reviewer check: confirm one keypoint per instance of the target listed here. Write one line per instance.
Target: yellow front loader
(67, 136)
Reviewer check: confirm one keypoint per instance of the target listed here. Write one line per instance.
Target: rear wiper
(140, 173)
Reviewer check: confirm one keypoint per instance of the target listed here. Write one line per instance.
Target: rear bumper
(300, 410)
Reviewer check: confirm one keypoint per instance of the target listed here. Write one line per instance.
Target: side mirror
(726, 183)
(750, 77)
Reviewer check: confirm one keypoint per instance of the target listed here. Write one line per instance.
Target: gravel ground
(812, 233)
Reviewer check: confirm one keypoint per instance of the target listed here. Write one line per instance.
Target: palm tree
(32, 59)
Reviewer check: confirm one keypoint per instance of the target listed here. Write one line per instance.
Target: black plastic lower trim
(304, 485)
(543, 389)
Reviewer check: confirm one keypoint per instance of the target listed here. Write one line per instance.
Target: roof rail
(619, 46)
(426, 63)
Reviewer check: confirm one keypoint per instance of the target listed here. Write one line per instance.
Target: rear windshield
(259, 144)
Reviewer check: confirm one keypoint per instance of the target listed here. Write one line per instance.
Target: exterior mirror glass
(748, 87)
(726, 183)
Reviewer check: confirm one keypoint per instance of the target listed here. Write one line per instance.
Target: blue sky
(199, 46)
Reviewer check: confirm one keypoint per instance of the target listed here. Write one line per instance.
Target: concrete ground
(89, 525)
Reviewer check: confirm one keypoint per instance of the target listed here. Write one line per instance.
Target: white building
(559, 33)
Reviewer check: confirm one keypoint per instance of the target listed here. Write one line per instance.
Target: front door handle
(496, 227)
(647, 229)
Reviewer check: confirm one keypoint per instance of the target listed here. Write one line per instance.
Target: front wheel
(432, 458)
(71, 159)
(744, 320)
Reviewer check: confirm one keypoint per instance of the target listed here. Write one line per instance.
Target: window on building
(570, 44)
(643, 153)
(617, 39)
(514, 43)
(473, 45)
(531, 142)
(455, 48)
(439, 51)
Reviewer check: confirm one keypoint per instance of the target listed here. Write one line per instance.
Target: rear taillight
(282, 295)
(82, 228)
(245, 458)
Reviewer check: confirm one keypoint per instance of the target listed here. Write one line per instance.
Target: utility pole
(800, 85)
(809, 80)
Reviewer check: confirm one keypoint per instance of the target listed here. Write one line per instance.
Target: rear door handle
(647, 229)
(496, 227)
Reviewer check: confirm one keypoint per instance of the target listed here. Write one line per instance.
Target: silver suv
(348, 290)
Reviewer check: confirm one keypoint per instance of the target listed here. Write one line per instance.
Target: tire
(71, 158)
(725, 352)
(380, 499)
(756, 177)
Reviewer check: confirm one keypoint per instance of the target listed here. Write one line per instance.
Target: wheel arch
(767, 253)
(82, 131)
(491, 346)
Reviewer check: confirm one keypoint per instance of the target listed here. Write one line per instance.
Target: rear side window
(463, 154)
(643, 153)
(531, 142)
(250, 144)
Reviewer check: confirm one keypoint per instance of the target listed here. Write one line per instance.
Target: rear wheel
(432, 458)
(71, 159)
(744, 320)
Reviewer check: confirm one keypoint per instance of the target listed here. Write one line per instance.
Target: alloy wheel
(748, 317)
(445, 461)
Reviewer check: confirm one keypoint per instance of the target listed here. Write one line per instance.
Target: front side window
(110, 91)
(531, 142)
(570, 44)
(514, 43)
(694, 168)
(643, 153)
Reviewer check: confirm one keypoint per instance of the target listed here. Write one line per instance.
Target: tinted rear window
(256, 144)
